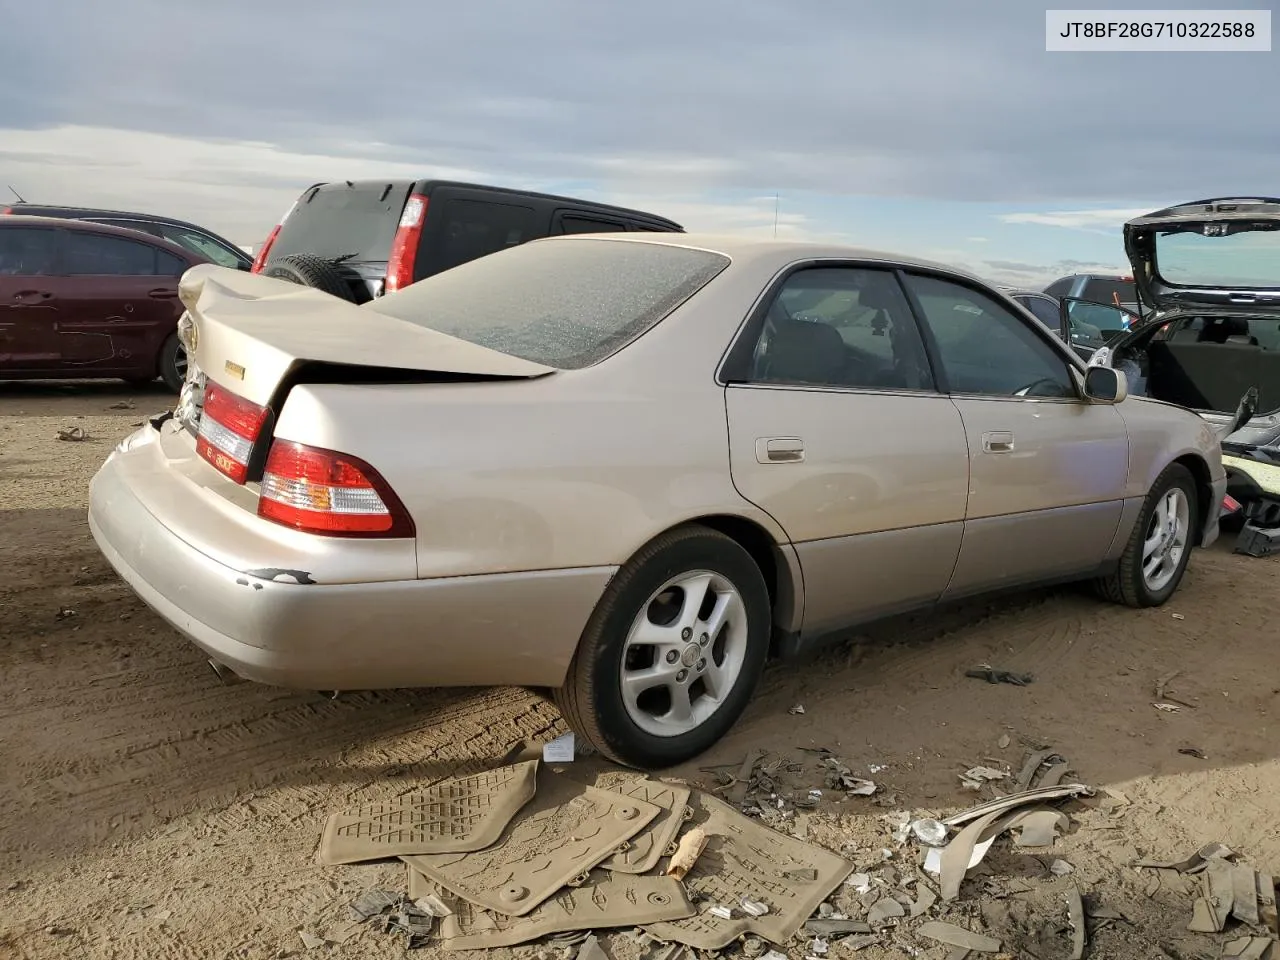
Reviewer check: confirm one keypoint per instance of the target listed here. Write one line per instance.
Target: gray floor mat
(456, 816)
(561, 835)
(650, 845)
(607, 900)
(744, 858)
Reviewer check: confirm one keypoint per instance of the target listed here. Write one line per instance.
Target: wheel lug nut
(672, 656)
(682, 676)
(686, 633)
(702, 664)
(704, 640)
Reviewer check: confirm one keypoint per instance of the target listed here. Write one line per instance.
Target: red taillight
(229, 427)
(404, 248)
(320, 491)
(1230, 504)
(260, 260)
(5, 211)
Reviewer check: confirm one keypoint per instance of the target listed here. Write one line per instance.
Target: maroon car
(86, 300)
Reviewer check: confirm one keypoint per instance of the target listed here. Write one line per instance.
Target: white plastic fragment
(774, 955)
(931, 833)
(754, 908)
(861, 882)
(1060, 868)
(724, 913)
(433, 906)
(818, 947)
(559, 750)
(859, 788)
(797, 710)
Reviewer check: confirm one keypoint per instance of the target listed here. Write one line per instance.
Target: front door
(1048, 469)
(28, 298)
(837, 431)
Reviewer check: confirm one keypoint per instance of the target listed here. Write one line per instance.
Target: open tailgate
(250, 331)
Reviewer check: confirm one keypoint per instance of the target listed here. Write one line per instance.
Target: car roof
(87, 226)
(783, 251)
(55, 209)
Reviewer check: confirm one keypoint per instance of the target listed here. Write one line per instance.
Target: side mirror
(1105, 385)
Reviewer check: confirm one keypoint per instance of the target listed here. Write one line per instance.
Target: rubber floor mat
(650, 845)
(565, 831)
(746, 859)
(456, 816)
(607, 900)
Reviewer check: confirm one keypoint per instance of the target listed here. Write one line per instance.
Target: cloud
(1110, 220)
(977, 239)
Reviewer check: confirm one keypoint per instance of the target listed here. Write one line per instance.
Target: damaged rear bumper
(285, 626)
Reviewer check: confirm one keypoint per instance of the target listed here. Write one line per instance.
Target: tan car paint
(528, 494)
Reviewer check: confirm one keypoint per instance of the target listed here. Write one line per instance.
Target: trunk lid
(250, 333)
(1222, 253)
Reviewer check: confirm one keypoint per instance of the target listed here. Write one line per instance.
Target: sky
(924, 127)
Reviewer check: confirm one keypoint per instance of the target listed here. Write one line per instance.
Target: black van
(360, 239)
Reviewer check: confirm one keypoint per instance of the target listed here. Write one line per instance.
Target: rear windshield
(1233, 255)
(356, 223)
(1114, 292)
(563, 303)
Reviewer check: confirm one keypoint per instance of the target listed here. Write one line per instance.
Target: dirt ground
(147, 811)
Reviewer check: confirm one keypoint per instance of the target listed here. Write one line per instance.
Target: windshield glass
(1233, 255)
(563, 303)
(357, 222)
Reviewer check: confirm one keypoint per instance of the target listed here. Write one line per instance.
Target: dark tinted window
(167, 265)
(358, 222)
(842, 327)
(587, 225)
(1114, 292)
(986, 348)
(92, 254)
(27, 251)
(1046, 311)
(564, 303)
(468, 229)
(1060, 288)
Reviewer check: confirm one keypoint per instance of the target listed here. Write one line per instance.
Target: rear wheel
(173, 363)
(309, 271)
(1156, 556)
(672, 653)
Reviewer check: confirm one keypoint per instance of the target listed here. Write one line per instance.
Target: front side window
(201, 246)
(1046, 311)
(841, 327)
(27, 251)
(985, 349)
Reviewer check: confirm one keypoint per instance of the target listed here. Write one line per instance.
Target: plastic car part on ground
(650, 846)
(559, 837)
(744, 859)
(456, 816)
(607, 900)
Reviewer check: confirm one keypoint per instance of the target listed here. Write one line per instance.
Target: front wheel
(1155, 558)
(672, 653)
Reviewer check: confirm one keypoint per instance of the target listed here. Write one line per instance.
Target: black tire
(309, 271)
(173, 363)
(1126, 584)
(591, 699)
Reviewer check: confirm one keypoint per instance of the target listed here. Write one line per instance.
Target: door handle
(779, 450)
(997, 441)
(162, 293)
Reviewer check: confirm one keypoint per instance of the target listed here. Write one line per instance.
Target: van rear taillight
(404, 248)
(229, 427)
(329, 493)
(260, 260)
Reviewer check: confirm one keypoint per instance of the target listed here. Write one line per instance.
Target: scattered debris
(1062, 792)
(310, 940)
(1004, 741)
(818, 947)
(1167, 707)
(591, 949)
(1162, 690)
(884, 910)
(123, 405)
(1248, 948)
(559, 750)
(1060, 868)
(64, 613)
(975, 777)
(754, 908)
(987, 673)
(835, 928)
(954, 936)
(1075, 916)
(687, 852)
(73, 434)
(433, 905)
(1193, 752)
(372, 903)
(797, 710)
(860, 882)
(1178, 616)
(932, 833)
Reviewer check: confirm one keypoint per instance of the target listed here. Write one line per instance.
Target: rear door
(28, 297)
(118, 301)
(1048, 469)
(837, 430)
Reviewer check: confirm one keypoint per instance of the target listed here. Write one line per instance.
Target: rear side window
(336, 221)
(201, 245)
(462, 230)
(563, 303)
(1114, 292)
(588, 225)
(88, 254)
(27, 251)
